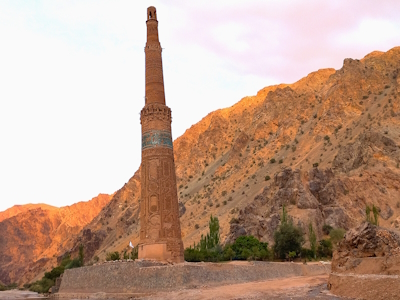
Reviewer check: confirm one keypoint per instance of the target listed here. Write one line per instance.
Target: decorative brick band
(156, 138)
(155, 111)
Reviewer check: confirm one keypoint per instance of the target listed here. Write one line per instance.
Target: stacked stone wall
(132, 278)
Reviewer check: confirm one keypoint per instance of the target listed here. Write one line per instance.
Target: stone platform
(140, 278)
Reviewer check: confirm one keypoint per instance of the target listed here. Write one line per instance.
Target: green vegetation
(337, 235)
(111, 256)
(287, 238)
(273, 160)
(267, 178)
(326, 229)
(48, 280)
(375, 213)
(313, 240)
(209, 248)
(325, 248)
(8, 287)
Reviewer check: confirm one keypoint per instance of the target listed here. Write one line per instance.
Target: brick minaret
(160, 231)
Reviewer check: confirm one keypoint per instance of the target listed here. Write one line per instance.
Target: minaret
(160, 231)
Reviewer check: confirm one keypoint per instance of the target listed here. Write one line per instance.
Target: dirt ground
(299, 288)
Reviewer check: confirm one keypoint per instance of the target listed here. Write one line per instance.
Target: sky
(72, 76)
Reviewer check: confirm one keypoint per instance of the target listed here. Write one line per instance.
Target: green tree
(81, 254)
(313, 240)
(214, 237)
(375, 212)
(288, 237)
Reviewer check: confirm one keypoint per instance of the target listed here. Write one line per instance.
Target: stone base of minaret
(158, 251)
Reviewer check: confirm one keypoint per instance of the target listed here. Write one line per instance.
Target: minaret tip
(151, 13)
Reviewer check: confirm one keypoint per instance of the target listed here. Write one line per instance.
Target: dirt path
(304, 287)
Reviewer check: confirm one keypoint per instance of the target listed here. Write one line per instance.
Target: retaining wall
(137, 278)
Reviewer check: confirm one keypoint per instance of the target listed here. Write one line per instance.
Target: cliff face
(324, 146)
(35, 235)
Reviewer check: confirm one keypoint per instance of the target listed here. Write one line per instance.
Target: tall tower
(160, 231)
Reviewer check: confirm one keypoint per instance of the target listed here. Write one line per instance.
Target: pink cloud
(287, 40)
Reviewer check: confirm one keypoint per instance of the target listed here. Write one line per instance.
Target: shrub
(75, 263)
(42, 286)
(325, 248)
(111, 256)
(307, 253)
(267, 178)
(272, 160)
(224, 193)
(315, 165)
(337, 235)
(326, 229)
(248, 247)
(281, 161)
(53, 274)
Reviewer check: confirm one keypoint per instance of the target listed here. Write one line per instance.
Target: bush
(42, 286)
(281, 161)
(315, 165)
(325, 248)
(337, 235)
(8, 287)
(53, 274)
(247, 247)
(307, 253)
(75, 263)
(273, 160)
(111, 256)
(267, 178)
(326, 229)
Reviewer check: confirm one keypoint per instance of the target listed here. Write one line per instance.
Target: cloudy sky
(72, 76)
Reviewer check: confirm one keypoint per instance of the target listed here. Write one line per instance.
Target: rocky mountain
(33, 236)
(325, 147)
(16, 209)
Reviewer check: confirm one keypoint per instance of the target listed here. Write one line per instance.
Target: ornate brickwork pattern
(159, 213)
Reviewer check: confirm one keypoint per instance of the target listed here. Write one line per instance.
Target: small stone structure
(139, 278)
(160, 231)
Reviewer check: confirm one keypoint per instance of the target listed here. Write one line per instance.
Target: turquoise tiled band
(156, 138)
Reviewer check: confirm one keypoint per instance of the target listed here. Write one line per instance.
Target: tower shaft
(160, 233)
